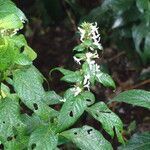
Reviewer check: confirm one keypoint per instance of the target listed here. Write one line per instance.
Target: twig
(138, 85)
(118, 55)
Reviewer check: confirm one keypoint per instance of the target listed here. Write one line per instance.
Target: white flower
(62, 100)
(77, 60)
(96, 36)
(87, 85)
(97, 68)
(86, 82)
(91, 64)
(90, 31)
(77, 90)
(90, 56)
(82, 33)
(86, 78)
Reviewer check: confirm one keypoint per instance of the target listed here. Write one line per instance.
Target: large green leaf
(134, 97)
(43, 138)
(9, 118)
(87, 138)
(28, 86)
(108, 119)
(71, 110)
(139, 141)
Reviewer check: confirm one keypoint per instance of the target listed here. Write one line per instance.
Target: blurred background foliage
(124, 27)
(125, 22)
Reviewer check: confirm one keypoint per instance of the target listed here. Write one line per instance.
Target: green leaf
(79, 48)
(52, 98)
(8, 53)
(73, 77)
(23, 60)
(88, 97)
(87, 138)
(4, 90)
(20, 142)
(108, 119)
(105, 79)
(10, 22)
(134, 97)
(28, 86)
(62, 70)
(9, 118)
(71, 110)
(13, 15)
(31, 122)
(43, 138)
(21, 42)
(139, 141)
(147, 47)
(28, 51)
(139, 33)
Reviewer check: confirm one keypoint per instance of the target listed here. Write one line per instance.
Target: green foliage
(10, 119)
(134, 97)
(87, 138)
(27, 118)
(139, 141)
(108, 119)
(43, 138)
(127, 19)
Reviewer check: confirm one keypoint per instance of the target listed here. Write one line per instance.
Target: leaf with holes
(28, 86)
(17, 143)
(134, 97)
(87, 138)
(9, 118)
(43, 138)
(88, 97)
(108, 119)
(139, 141)
(71, 110)
(20, 42)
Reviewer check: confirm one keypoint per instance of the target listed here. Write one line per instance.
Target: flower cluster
(89, 31)
(90, 44)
